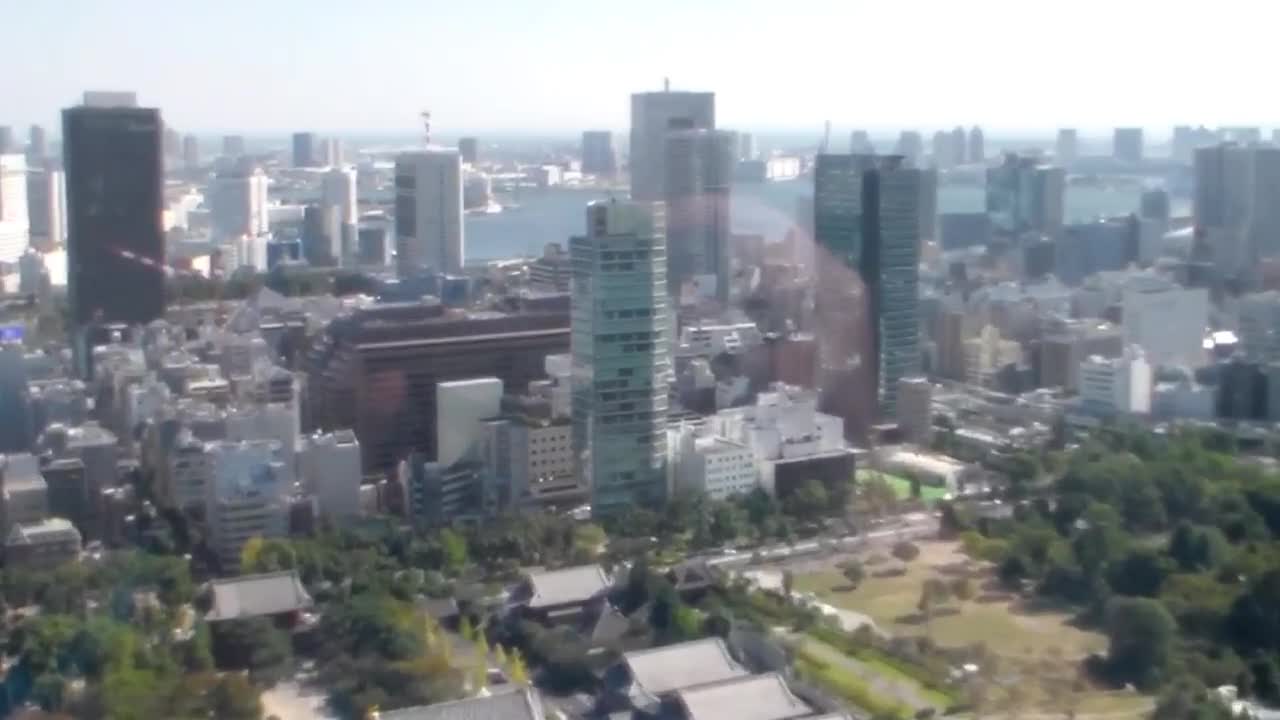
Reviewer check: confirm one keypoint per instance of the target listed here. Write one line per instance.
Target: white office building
(247, 497)
(189, 474)
(460, 406)
(329, 470)
(338, 198)
(783, 425)
(709, 465)
(1116, 386)
(239, 203)
(15, 227)
(428, 210)
(276, 422)
(986, 354)
(712, 340)
(1167, 322)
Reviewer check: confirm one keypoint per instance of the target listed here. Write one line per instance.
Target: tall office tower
(429, 232)
(333, 155)
(1066, 149)
(1025, 195)
(699, 167)
(190, 153)
(942, 153)
(172, 140)
(959, 145)
(239, 203)
(322, 235)
(47, 208)
(115, 201)
(910, 147)
(860, 143)
(1222, 205)
(1154, 204)
(338, 194)
(37, 147)
(867, 225)
(746, 146)
(1127, 145)
(928, 207)
(977, 145)
(7, 144)
(232, 146)
(15, 226)
(305, 150)
(469, 149)
(598, 155)
(621, 355)
(1264, 213)
(653, 115)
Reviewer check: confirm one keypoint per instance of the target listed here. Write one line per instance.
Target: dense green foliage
(1167, 544)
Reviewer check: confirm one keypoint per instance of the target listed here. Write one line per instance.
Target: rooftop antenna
(426, 125)
(666, 84)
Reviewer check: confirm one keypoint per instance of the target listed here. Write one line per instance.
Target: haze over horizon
(559, 67)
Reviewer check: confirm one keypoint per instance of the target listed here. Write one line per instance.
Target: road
(915, 526)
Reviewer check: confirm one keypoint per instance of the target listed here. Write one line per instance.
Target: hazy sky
(271, 65)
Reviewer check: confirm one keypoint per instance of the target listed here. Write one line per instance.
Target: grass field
(902, 486)
(1035, 647)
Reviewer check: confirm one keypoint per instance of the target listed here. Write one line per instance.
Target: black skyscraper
(115, 193)
(304, 150)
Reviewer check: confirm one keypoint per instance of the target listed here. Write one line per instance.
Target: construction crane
(826, 137)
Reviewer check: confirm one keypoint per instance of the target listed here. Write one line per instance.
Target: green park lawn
(902, 486)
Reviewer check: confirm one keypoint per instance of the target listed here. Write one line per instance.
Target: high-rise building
(37, 147)
(332, 153)
(1259, 319)
(943, 156)
(746, 146)
(867, 220)
(232, 146)
(1236, 215)
(247, 497)
(115, 199)
(305, 150)
(47, 208)
(653, 115)
(915, 409)
(469, 149)
(910, 147)
(860, 143)
(15, 225)
(1168, 322)
(1116, 386)
(598, 156)
(1025, 195)
(699, 167)
(7, 143)
(1127, 145)
(1066, 148)
(429, 231)
(621, 355)
(239, 203)
(959, 146)
(322, 235)
(190, 153)
(338, 192)
(172, 142)
(977, 146)
(928, 205)
(329, 467)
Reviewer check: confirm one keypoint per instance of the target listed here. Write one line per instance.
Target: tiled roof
(256, 595)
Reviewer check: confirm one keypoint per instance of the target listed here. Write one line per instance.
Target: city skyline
(550, 63)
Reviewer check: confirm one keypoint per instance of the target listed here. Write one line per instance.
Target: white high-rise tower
(15, 227)
(428, 211)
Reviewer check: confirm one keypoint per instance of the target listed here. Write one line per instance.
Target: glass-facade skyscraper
(621, 354)
(115, 197)
(867, 228)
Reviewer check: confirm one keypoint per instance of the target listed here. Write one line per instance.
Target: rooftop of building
(658, 671)
(753, 697)
(567, 586)
(257, 595)
(518, 704)
(53, 529)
